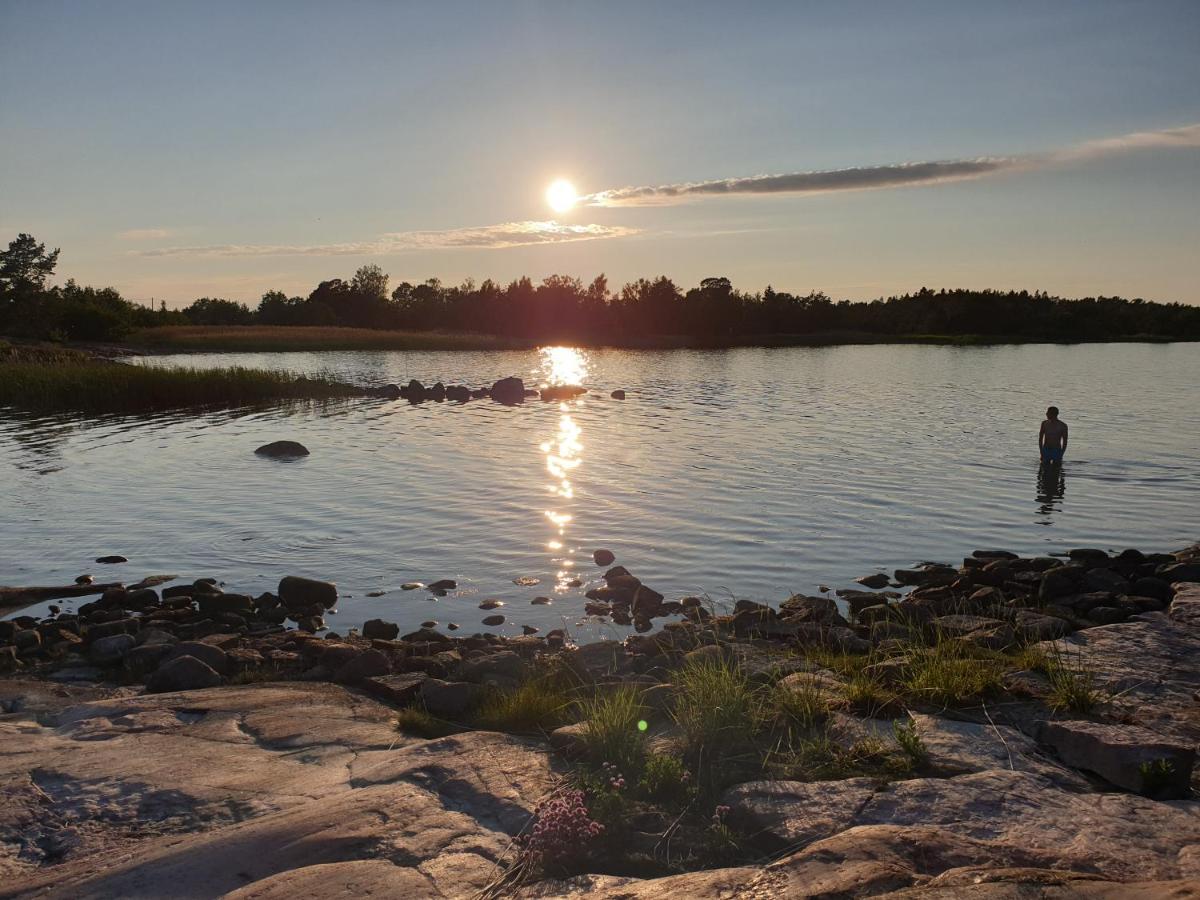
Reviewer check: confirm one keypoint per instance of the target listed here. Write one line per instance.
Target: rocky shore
(1007, 727)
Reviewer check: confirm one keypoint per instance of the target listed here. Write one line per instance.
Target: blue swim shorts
(1052, 454)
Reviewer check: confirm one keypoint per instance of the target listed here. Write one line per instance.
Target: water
(742, 473)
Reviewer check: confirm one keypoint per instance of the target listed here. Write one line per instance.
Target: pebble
(376, 593)
(491, 604)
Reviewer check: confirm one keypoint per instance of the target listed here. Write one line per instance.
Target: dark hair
(1052, 412)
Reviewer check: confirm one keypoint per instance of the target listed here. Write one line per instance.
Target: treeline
(561, 308)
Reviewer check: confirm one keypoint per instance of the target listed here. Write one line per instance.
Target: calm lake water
(751, 473)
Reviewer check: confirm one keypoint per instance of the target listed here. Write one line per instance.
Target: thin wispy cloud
(144, 234)
(488, 237)
(865, 178)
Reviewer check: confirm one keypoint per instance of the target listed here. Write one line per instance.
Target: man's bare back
(1052, 438)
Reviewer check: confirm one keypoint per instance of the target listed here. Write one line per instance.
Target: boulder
(503, 666)
(448, 699)
(183, 673)
(111, 560)
(282, 450)
(367, 664)
(508, 390)
(570, 740)
(213, 657)
(1130, 757)
(398, 689)
(108, 651)
(458, 393)
(1174, 573)
(377, 629)
(298, 593)
(604, 557)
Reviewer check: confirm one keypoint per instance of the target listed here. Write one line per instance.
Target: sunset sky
(223, 149)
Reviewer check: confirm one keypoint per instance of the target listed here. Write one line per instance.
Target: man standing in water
(1052, 439)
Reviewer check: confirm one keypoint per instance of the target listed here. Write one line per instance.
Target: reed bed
(99, 387)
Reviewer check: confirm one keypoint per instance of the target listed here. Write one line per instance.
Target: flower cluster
(718, 816)
(562, 829)
(616, 780)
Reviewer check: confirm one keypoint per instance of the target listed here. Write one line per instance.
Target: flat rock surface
(1149, 666)
(879, 861)
(1117, 836)
(253, 788)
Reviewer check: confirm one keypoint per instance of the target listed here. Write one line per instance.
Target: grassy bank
(281, 338)
(82, 385)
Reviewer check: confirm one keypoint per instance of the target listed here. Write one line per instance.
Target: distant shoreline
(288, 338)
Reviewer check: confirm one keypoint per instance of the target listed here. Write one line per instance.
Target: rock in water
(508, 390)
(562, 392)
(493, 621)
(84, 579)
(108, 560)
(282, 450)
(877, 580)
(297, 592)
(443, 584)
(604, 557)
(618, 395)
(377, 628)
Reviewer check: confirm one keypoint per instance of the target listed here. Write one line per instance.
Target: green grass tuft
(415, 720)
(539, 704)
(951, 673)
(1072, 684)
(717, 707)
(611, 733)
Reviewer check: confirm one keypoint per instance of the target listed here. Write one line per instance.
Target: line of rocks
(508, 391)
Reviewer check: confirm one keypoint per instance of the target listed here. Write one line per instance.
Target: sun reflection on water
(563, 452)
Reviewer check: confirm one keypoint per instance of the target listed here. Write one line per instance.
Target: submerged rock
(282, 449)
(108, 561)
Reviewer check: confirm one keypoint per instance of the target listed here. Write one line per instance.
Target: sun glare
(561, 195)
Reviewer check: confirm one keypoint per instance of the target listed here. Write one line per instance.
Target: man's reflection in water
(1051, 487)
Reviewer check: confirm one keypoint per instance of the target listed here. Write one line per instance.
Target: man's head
(1052, 412)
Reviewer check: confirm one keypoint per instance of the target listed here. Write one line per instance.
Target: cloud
(491, 237)
(910, 174)
(143, 234)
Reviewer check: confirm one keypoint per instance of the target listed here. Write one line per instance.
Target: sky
(176, 150)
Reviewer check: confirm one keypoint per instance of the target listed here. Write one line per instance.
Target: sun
(561, 195)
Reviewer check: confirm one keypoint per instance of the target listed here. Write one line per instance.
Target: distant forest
(561, 308)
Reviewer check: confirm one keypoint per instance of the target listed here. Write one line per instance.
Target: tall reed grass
(98, 387)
